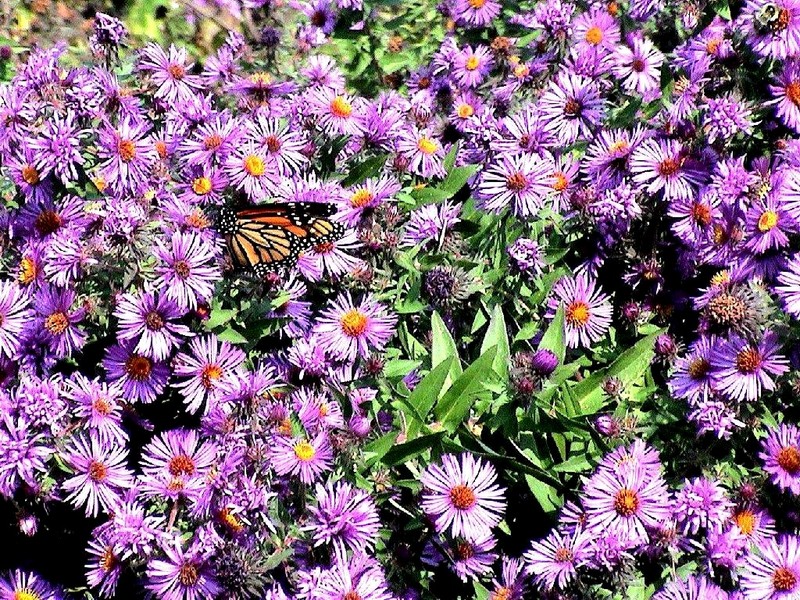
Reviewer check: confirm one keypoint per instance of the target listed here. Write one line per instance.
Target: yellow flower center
(793, 92)
(25, 594)
(211, 373)
(767, 221)
(304, 451)
(626, 502)
(361, 198)
(254, 165)
(427, 145)
(476, 4)
(56, 323)
(201, 186)
(341, 108)
(473, 62)
(561, 182)
(465, 111)
(353, 323)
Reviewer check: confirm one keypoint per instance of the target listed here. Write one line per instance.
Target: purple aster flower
(431, 222)
(571, 107)
(695, 216)
(781, 457)
(526, 257)
(22, 170)
(772, 28)
(786, 94)
(554, 560)
(251, 170)
(169, 72)
(692, 378)
(513, 583)
(726, 117)
(187, 269)
(99, 407)
(662, 165)
(766, 224)
(472, 66)
(104, 567)
(23, 454)
(595, 28)
(476, 13)
(360, 201)
(344, 516)
(213, 141)
(626, 504)
(331, 257)
(469, 559)
(127, 154)
(694, 587)
(518, 181)
(23, 585)
(182, 574)
(283, 145)
(462, 496)
(754, 523)
(306, 459)
(210, 365)
(346, 330)
(587, 311)
(57, 149)
(335, 112)
(15, 313)
(58, 321)
(726, 549)
(359, 577)
(638, 67)
(177, 464)
(100, 474)
(701, 505)
(772, 573)
(140, 378)
(742, 369)
(150, 321)
(423, 153)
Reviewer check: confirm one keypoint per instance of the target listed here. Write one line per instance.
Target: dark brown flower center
(47, 222)
(572, 107)
(154, 321)
(516, 182)
(138, 367)
(97, 471)
(182, 269)
(30, 175)
(698, 368)
(668, 167)
(464, 550)
(273, 143)
(638, 65)
(783, 580)
(188, 574)
(748, 360)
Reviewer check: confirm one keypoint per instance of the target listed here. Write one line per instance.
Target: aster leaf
(444, 347)
(365, 169)
(553, 338)
(497, 335)
(424, 395)
(455, 405)
(401, 453)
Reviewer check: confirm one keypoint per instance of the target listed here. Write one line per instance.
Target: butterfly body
(266, 238)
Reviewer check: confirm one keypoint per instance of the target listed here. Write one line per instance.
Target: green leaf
(450, 159)
(497, 335)
(402, 453)
(444, 347)
(424, 396)
(457, 178)
(229, 334)
(553, 339)
(365, 170)
(454, 406)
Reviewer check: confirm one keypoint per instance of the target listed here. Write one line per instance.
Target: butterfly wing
(270, 237)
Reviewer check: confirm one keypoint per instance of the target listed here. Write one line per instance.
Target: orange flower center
(668, 167)
(181, 464)
(27, 271)
(341, 108)
(577, 313)
(516, 182)
(101, 406)
(594, 35)
(127, 150)
(783, 580)
(352, 595)
(793, 92)
(138, 367)
(30, 175)
(501, 593)
(748, 360)
(177, 71)
(254, 165)
(161, 148)
(109, 560)
(462, 497)
(188, 575)
(211, 373)
(561, 181)
(97, 471)
(563, 555)
(626, 502)
(56, 323)
(324, 247)
(746, 521)
(789, 459)
(353, 323)
(572, 107)
(701, 213)
(212, 142)
(476, 4)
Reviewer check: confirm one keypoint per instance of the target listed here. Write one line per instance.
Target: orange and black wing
(269, 237)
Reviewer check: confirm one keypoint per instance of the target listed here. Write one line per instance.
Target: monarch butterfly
(268, 237)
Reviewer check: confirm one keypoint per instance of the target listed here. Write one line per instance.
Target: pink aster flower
(773, 572)
(462, 496)
(587, 310)
(306, 459)
(553, 561)
(346, 330)
(209, 364)
(781, 457)
(100, 474)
